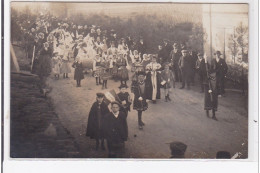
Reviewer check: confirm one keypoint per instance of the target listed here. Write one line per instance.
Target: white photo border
(141, 165)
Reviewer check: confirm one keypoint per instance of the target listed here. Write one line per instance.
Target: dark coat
(166, 53)
(141, 48)
(124, 97)
(95, 121)
(78, 74)
(175, 57)
(115, 129)
(220, 67)
(43, 68)
(139, 105)
(210, 99)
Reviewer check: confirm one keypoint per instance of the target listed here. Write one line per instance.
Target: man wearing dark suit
(141, 47)
(185, 67)
(115, 129)
(221, 68)
(175, 56)
(167, 48)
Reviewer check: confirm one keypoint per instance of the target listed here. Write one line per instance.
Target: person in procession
(221, 69)
(97, 68)
(78, 73)
(115, 131)
(96, 120)
(121, 63)
(139, 89)
(168, 81)
(153, 80)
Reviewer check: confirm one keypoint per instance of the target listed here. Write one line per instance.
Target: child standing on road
(78, 74)
(168, 81)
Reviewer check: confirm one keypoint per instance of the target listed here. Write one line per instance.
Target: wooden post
(14, 59)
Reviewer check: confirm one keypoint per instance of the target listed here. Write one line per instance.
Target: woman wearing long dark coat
(43, 67)
(95, 128)
(210, 90)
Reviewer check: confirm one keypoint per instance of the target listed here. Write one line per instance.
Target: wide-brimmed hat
(217, 53)
(184, 51)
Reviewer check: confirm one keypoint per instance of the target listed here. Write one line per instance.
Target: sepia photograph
(129, 80)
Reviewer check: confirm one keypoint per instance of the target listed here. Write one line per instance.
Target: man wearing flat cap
(185, 67)
(95, 127)
(220, 67)
(175, 56)
(115, 128)
(178, 149)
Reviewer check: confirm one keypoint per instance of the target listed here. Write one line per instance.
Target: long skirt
(56, 69)
(97, 72)
(210, 103)
(105, 75)
(65, 67)
(114, 71)
(123, 73)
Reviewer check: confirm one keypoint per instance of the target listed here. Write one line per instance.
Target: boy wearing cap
(139, 90)
(115, 130)
(96, 117)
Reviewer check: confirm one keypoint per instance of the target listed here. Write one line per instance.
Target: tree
(233, 46)
(242, 40)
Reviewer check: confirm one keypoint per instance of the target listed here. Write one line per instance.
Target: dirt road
(183, 119)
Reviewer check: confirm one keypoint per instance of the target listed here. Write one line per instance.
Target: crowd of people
(51, 44)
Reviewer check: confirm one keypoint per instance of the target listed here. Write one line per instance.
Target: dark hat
(140, 73)
(223, 155)
(217, 53)
(100, 95)
(178, 148)
(122, 86)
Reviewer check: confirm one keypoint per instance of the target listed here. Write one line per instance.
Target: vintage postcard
(129, 80)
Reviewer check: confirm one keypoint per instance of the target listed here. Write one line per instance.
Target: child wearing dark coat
(95, 128)
(78, 74)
